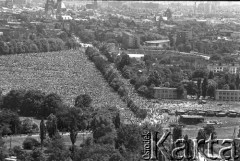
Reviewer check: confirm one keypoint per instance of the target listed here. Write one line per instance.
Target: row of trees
(32, 103)
(29, 46)
(113, 78)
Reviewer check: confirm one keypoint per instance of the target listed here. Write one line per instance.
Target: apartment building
(231, 68)
(227, 95)
(130, 40)
(166, 93)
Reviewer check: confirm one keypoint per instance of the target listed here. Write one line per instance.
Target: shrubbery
(29, 143)
(32, 103)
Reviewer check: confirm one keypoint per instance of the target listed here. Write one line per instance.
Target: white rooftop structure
(157, 41)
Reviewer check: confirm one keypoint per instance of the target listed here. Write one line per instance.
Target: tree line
(112, 76)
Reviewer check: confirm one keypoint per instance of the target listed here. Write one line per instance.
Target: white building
(66, 17)
(231, 68)
(136, 56)
(157, 44)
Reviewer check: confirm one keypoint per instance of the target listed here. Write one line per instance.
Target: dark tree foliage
(43, 132)
(98, 152)
(11, 120)
(32, 103)
(177, 133)
(237, 82)
(45, 45)
(51, 104)
(125, 60)
(199, 87)
(58, 150)
(51, 125)
(199, 73)
(204, 87)
(83, 101)
(13, 100)
(210, 129)
(103, 129)
(180, 91)
(191, 88)
(4, 49)
(129, 135)
(211, 75)
(29, 143)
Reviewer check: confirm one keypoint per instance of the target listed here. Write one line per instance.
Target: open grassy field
(67, 73)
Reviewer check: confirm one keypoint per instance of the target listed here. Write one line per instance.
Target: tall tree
(42, 132)
(204, 87)
(177, 133)
(188, 146)
(227, 79)
(168, 14)
(199, 87)
(73, 135)
(180, 91)
(210, 75)
(237, 82)
(52, 125)
(201, 136)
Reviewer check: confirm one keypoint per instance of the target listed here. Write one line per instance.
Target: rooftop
(191, 116)
(164, 88)
(136, 55)
(157, 41)
(222, 90)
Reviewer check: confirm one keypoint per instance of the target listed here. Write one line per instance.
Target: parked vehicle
(210, 122)
(221, 114)
(210, 113)
(180, 112)
(202, 113)
(202, 102)
(232, 114)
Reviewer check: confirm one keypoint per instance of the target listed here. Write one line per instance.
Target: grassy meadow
(67, 73)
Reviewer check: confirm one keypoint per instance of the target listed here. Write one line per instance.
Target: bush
(33, 48)
(142, 113)
(122, 91)
(100, 63)
(29, 143)
(143, 89)
(115, 84)
(17, 150)
(133, 81)
(126, 73)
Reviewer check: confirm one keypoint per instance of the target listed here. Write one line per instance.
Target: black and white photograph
(95, 80)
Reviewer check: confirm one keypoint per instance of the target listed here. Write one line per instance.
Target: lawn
(67, 73)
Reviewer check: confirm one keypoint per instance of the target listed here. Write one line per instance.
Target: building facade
(231, 68)
(227, 95)
(157, 44)
(130, 40)
(166, 93)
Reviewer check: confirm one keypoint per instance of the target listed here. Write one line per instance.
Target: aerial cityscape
(102, 80)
